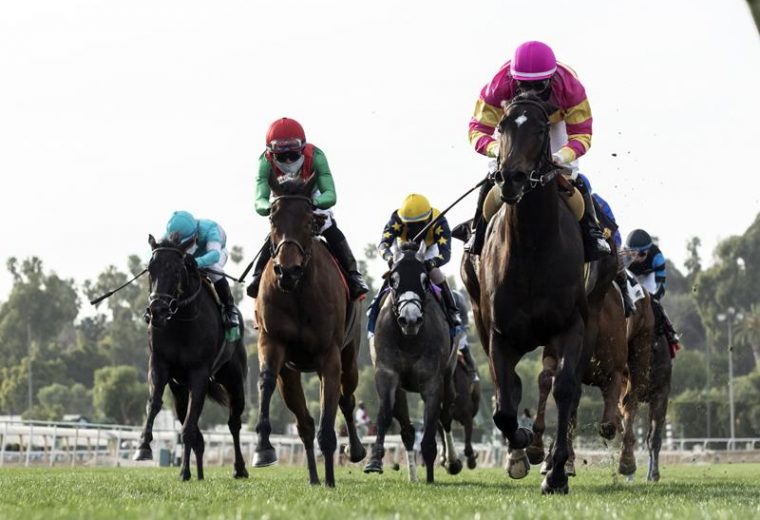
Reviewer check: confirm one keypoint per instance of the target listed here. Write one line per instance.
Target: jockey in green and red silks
(535, 69)
(287, 153)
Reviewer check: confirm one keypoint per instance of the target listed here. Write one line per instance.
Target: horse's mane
(170, 241)
(290, 186)
(409, 246)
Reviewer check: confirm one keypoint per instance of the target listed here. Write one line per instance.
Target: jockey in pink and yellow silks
(535, 69)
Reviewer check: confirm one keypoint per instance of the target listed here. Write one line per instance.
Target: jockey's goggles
(287, 156)
(289, 144)
(534, 86)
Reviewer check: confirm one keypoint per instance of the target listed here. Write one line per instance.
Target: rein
(306, 255)
(169, 300)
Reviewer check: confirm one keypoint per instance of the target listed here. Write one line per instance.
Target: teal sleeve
(327, 196)
(262, 187)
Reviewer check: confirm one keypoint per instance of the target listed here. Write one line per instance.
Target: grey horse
(412, 352)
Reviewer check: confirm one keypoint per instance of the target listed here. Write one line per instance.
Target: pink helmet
(533, 61)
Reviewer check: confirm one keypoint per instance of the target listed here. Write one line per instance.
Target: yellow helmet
(415, 208)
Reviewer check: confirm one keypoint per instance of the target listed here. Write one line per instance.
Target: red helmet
(285, 135)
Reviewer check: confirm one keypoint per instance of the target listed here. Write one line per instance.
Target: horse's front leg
(567, 389)
(330, 375)
(386, 384)
(270, 364)
(504, 359)
(192, 438)
(349, 379)
(159, 376)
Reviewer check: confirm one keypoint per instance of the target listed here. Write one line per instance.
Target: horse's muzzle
(159, 312)
(288, 277)
(410, 328)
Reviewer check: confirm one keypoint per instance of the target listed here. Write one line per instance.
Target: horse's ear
(421, 251)
(152, 242)
(308, 187)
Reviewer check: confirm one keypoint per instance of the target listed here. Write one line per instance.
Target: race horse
(608, 371)
(466, 405)
(528, 288)
(412, 352)
(653, 361)
(306, 323)
(188, 351)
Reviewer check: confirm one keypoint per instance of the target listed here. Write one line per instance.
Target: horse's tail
(217, 393)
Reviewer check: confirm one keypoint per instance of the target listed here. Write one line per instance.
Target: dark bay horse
(608, 371)
(412, 352)
(188, 352)
(465, 408)
(531, 282)
(306, 323)
(651, 368)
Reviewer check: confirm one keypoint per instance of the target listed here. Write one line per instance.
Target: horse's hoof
(653, 477)
(627, 466)
(607, 430)
(454, 467)
(240, 473)
(184, 476)
(357, 454)
(548, 489)
(143, 454)
(472, 462)
(374, 466)
(396, 466)
(518, 465)
(536, 454)
(264, 458)
(570, 468)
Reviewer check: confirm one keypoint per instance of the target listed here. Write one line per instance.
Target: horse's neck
(536, 217)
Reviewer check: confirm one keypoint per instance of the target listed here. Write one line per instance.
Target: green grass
(717, 491)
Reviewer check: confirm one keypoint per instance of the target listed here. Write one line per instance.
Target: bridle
(544, 171)
(172, 302)
(305, 254)
(397, 306)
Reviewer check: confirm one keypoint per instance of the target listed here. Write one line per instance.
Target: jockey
(209, 251)
(621, 279)
(648, 265)
(404, 224)
(535, 69)
(288, 153)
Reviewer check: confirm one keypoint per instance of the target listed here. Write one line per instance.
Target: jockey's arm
(488, 113)
(327, 196)
(211, 256)
(442, 238)
(660, 274)
(262, 204)
(391, 231)
(577, 115)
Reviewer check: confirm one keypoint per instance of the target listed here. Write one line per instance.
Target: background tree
(119, 395)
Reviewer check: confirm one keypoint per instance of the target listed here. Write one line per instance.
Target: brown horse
(606, 371)
(306, 323)
(650, 383)
(532, 290)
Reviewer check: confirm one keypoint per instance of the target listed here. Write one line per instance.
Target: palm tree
(748, 331)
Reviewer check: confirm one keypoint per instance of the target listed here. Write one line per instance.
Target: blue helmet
(184, 224)
(638, 240)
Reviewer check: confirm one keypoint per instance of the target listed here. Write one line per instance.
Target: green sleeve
(262, 187)
(327, 196)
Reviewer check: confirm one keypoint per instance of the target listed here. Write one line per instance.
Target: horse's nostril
(419, 320)
(401, 321)
(278, 269)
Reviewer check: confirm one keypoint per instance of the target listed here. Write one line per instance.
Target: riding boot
(452, 311)
(622, 281)
(225, 295)
(474, 245)
(594, 243)
(265, 254)
(342, 252)
(469, 362)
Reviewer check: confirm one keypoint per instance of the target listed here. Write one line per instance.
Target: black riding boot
(342, 251)
(594, 244)
(478, 233)
(452, 311)
(265, 254)
(225, 295)
(469, 362)
(622, 281)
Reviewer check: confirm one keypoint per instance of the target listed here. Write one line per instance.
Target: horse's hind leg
(432, 394)
(232, 380)
(191, 434)
(349, 378)
(159, 376)
(386, 383)
(328, 442)
(657, 410)
(291, 389)
(535, 451)
(401, 412)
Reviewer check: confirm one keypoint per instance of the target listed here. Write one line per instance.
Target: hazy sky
(114, 114)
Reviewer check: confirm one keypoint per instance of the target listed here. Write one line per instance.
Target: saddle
(568, 192)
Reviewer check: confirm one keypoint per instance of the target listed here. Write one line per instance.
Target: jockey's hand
(430, 264)
(388, 257)
(557, 159)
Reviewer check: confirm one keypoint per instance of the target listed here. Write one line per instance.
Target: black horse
(412, 352)
(530, 288)
(188, 352)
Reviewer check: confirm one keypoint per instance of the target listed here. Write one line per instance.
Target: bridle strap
(301, 249)
(170, 300)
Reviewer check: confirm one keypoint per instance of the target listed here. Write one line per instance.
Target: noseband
(170, 301)
(306, 255)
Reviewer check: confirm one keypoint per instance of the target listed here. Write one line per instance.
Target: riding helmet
(415, 208)
(639, 240)
(285, 135)
(533, 61)
(184, 224)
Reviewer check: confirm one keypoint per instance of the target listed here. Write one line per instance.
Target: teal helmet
(184, 224)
